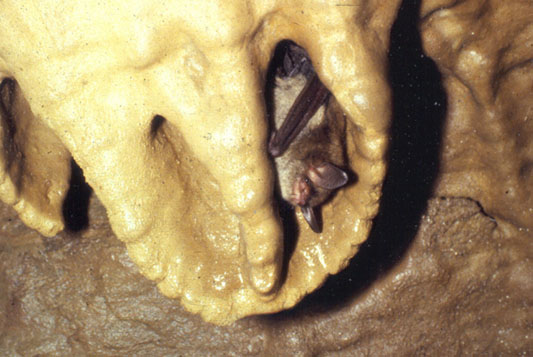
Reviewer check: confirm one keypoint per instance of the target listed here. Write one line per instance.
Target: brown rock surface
(484, 50)
(463, 287)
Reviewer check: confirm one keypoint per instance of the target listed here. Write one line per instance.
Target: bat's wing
(305, 106)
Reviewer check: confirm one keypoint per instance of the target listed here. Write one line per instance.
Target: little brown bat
(307, 143)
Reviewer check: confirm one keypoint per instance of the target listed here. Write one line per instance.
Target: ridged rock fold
(163, 109)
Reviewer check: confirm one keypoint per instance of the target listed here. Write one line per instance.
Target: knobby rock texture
(446, 269)
(163, 108)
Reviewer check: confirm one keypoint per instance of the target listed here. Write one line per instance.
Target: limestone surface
(162, 107)
(484, 50)
(462, 288)
(437, 276)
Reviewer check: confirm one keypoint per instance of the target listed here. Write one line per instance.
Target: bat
(307, 143)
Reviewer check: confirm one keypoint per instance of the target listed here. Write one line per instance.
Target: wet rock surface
(484, 50)
(168, 123)
(448, 275)
(462, 287)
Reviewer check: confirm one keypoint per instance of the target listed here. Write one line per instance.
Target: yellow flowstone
(191, 195)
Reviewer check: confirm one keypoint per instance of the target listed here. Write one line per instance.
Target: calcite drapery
(192, 197)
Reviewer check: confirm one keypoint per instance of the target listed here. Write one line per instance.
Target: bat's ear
(328, 176)
(309, 215)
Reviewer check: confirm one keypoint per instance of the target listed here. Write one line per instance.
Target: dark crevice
(155, 125)
(419, 109)
(13, 153)
(76, 203)
(290, 233)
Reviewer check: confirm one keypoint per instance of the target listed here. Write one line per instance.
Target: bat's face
(316, 186)
(305, 193)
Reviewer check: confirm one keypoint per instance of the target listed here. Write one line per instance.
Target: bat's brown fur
(321, 141)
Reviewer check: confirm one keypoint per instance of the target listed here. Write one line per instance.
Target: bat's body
(307, 144)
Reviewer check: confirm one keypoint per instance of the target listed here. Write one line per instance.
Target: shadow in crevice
(290, 233)
(156, 125)
(76, 203)
(419, 109)
(13, 148)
